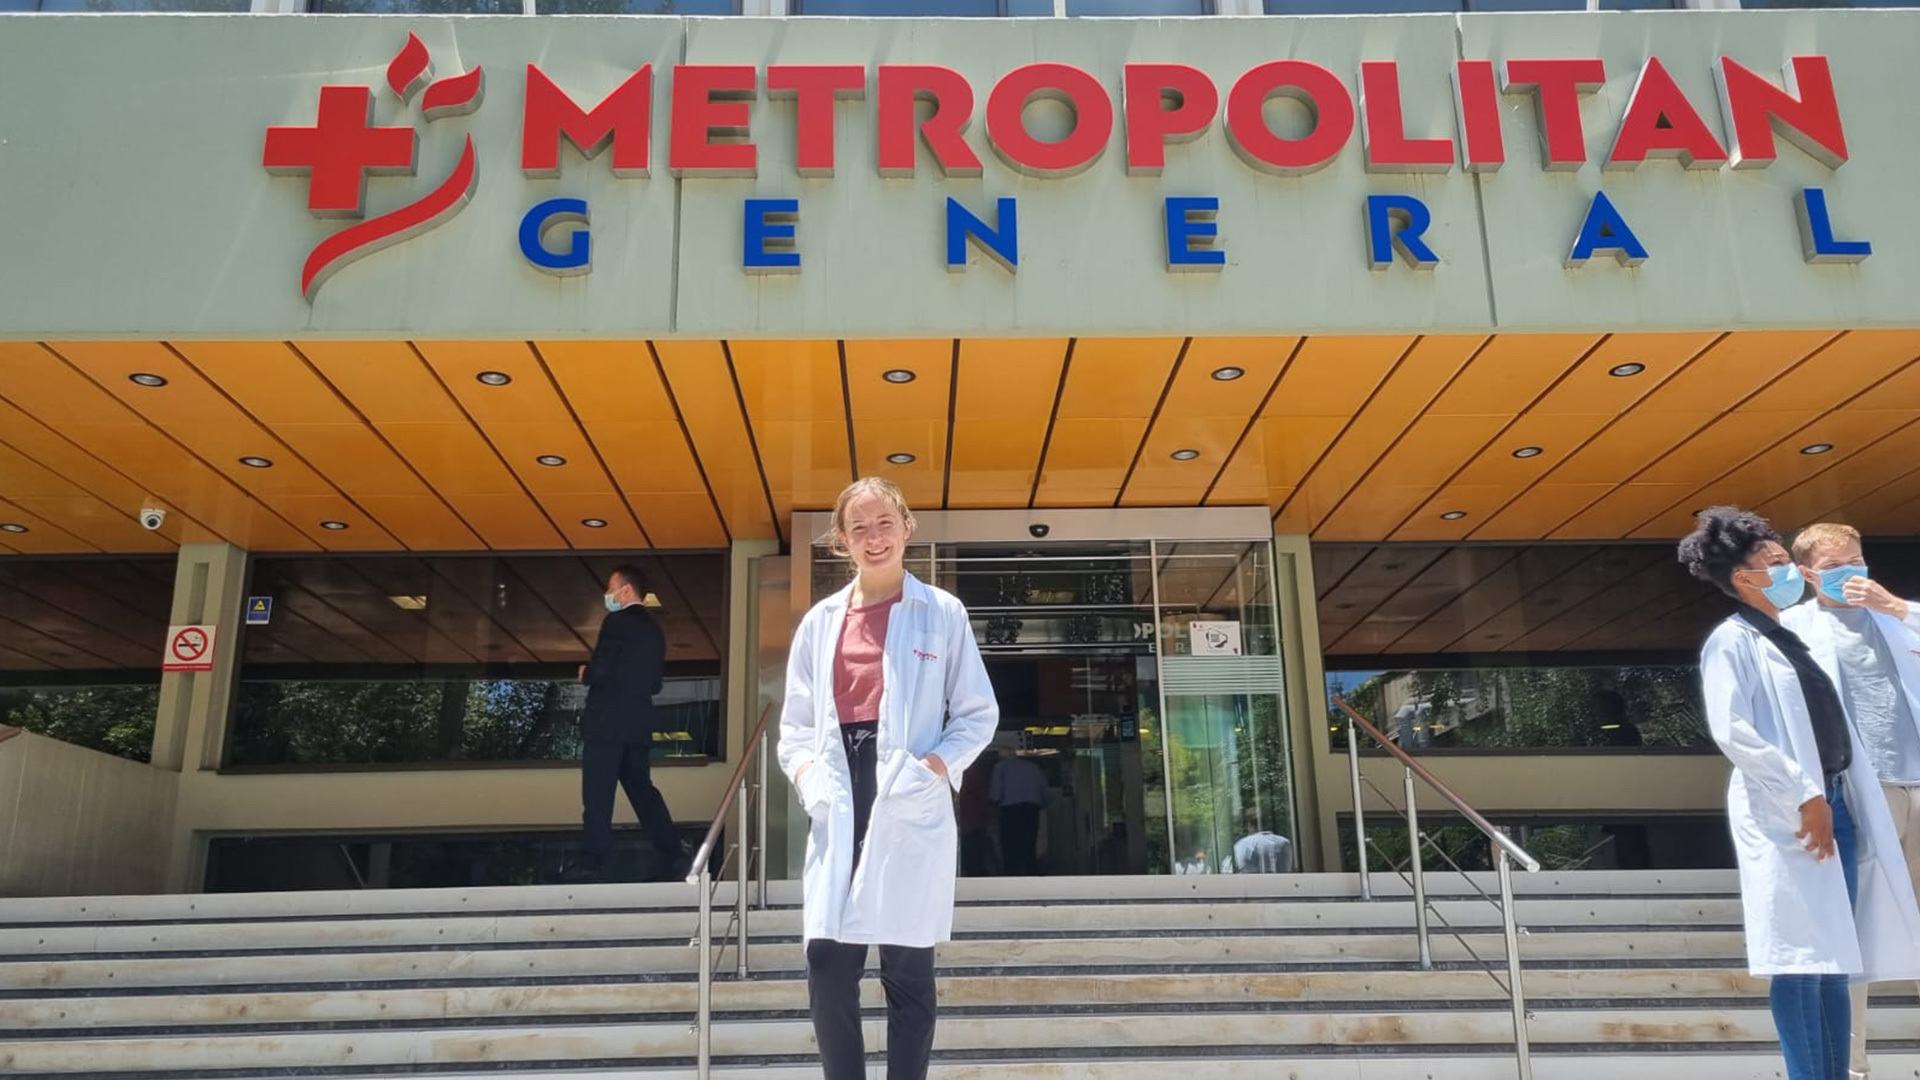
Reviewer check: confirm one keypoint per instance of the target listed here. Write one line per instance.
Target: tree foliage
(112, 719)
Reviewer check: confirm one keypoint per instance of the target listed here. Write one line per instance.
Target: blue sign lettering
(548, 216)
(1001, 244)
(1605, 230)
(1193, 233)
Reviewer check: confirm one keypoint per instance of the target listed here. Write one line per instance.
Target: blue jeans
(1813, 1012)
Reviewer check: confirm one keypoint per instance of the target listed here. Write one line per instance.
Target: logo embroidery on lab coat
(926, 655)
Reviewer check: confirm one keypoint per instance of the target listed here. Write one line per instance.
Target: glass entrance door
(1119, 665)
(1230, 798)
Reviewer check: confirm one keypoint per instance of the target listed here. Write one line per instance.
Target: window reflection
(57, 7)
(390, 660)
(1625, 707)
(974, 9)
(1139, 7)
(80, 642)
(1493, 647)
(416, 7)
(637, 7)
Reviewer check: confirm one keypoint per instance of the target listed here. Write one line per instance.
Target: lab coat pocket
(920, 796)
(815, 788)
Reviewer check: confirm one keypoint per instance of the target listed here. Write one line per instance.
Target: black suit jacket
(628, 662)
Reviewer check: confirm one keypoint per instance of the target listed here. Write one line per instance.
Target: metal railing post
(760, 809)
(740, 888)
(1359, 816)
(1520, 1051)
(703, 1011)
(1419, 876)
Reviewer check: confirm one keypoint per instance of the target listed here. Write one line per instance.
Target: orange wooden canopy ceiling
(686, 444)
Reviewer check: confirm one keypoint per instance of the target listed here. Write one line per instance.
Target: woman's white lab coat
(1798, 921)
(934, 699)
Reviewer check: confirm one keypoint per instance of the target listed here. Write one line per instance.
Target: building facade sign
(749, 177)
(711, 135)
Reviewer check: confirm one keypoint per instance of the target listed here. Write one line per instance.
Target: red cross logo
(343, 147)
(339, 151)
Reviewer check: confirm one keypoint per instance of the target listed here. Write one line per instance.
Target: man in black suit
(622, 676)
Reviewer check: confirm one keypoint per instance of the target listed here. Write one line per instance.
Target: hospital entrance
(1142, 723)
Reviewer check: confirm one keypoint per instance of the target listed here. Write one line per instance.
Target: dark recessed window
(391, 661)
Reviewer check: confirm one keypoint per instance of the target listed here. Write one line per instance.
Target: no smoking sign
(189, 648)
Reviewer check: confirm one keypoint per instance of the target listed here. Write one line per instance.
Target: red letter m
(621, 119)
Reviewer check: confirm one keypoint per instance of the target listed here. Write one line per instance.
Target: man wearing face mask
(628, 662)
(1825, 900)
(1865, 638)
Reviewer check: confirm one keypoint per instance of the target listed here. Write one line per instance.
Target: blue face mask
(1788, 586)
(613, 604)
(1833, 580)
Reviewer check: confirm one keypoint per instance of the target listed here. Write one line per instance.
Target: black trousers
(833, 996)
(1020, 838)
(834, 967)
(609, 763)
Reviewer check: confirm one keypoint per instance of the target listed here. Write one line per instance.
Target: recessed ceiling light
(494, 378)
(1621, 371)
(12, 527)
(1228, 374)
(147, 378)
(333, 526)
(253, 462)
(1817, 448)
(902, 458)
(899, 375)
(409, 603)
(1528, 451)
(551, 461)
(1185, 455)
(594, 523)
(1453, 515)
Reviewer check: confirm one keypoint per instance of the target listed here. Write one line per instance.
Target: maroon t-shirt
(857, 678)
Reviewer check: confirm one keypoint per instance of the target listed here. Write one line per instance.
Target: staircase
(1629, 974)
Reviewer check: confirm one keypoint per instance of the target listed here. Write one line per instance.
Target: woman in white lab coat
(887, 704)
(1823, 903)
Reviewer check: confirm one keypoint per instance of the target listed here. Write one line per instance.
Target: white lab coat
(1903, 642)
(934, 699)
(1798, 921)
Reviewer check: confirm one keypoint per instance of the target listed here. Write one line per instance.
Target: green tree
(112, 719)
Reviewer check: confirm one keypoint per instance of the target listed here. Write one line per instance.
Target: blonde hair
(1814, 537)
(835, 540)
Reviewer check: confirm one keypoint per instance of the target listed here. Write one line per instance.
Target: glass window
(1623, 707)
(1139, 7)
(924, 8)
(637, 7)
(1347, 7)
(1777, 5)
(80, 642)
(381, 661)
(1479, 647)
(416, 7)
(1415, 7)
(110, 6)
(1572, 5)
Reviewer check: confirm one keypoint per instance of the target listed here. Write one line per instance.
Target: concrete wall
(79, 822)
(148, 212)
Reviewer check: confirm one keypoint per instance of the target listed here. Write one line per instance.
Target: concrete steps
(1292, 976)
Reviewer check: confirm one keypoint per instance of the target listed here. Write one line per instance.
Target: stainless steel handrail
(1506, 855)
(748, 859)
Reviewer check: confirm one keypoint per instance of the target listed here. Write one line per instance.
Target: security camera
(152, 517)
(1039, 530)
